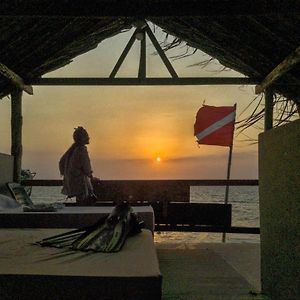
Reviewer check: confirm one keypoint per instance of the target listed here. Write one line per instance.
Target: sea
(245, 212)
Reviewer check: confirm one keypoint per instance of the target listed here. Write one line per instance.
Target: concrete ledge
(279, 194)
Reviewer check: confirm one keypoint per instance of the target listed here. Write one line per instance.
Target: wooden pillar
(16, 132)
(268, 109)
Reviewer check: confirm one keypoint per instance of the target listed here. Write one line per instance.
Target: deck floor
(210, 271)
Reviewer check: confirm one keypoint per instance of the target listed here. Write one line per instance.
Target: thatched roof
(39, 36)
(32, 47)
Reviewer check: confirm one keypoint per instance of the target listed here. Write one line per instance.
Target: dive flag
(215, 125)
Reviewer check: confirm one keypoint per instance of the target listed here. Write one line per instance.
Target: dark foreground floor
(210, 271)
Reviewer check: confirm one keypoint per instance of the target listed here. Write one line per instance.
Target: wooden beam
(15, 79)
(16, 132)
(161, 52)
(268, 109)
(287, 64)
(60, 81)
(146, 8)
(142, 64)
(123, 55)
(191, 182)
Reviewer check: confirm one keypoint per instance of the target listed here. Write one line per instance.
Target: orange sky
(130, 126)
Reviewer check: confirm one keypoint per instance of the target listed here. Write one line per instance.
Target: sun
(158, 159)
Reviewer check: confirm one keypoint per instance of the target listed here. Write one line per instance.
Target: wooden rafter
(123, 55)
(146, 8)
(140, 33)
(15, 79)
(161, 52)
(287, 64)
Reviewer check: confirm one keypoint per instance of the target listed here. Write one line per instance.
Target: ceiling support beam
(61, 81)
(15, 79)
(16, 132)
(142, 65)
(147, 8)
(287, 64)
(123, 55)
(140, 34)
(161, 52)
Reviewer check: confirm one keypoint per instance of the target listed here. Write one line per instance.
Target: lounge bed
(29, 271)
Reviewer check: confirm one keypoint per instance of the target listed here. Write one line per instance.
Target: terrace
(39, 36)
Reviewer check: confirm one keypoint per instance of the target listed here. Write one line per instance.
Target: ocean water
(245, 212)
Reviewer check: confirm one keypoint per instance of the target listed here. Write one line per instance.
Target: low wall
(279, 194)
(6, 168)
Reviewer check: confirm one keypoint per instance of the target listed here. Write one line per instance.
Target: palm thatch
(40, 36)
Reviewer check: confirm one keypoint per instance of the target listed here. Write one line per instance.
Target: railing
(147, 190)
(191, 182)
(170, 201)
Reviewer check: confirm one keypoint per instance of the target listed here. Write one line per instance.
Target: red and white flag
(215, 125)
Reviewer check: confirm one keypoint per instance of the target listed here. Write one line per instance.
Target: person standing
(75, 167)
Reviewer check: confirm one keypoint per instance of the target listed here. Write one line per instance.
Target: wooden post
(142, 65)
(16, 132)
(161, 52)
(268, 109)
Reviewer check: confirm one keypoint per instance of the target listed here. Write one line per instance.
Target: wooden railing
(191, 182)
(148, 190)
(170, 200)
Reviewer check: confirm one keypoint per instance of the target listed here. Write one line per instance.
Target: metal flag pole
(228, 176)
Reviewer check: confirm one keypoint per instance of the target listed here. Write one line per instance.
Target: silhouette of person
(75, 167)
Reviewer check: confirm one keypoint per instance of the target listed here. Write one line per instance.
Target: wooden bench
(196, 217)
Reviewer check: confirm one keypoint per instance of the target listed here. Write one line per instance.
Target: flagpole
(211, 128)
(228, 176)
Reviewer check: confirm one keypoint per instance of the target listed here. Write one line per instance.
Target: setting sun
(158, 159)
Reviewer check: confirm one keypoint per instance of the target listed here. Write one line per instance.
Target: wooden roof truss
(142, 30)
(287, 64)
